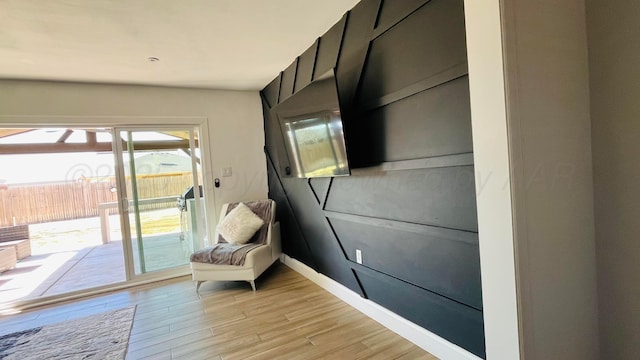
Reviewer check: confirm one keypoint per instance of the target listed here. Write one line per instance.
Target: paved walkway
(55, 273)
(65, 271)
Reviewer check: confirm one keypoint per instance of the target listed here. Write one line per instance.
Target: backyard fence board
(46, 202)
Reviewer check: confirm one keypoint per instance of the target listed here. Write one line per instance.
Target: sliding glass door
(159, 177)
(94, 207)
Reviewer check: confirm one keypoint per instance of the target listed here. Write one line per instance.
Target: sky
(18, 169)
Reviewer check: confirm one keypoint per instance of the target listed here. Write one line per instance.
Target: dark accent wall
(409, 205)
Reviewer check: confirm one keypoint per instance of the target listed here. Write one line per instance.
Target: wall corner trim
(423, 338)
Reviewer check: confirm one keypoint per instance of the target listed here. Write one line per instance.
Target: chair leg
(253, 284)
(198, 283)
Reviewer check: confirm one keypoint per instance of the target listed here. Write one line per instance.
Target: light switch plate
(226, 172)
(358, 256)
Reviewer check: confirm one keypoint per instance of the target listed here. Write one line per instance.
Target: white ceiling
(220, 44)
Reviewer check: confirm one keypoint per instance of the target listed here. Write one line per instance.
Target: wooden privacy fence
(45, 202)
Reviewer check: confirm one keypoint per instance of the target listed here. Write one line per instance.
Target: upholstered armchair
(247, 243)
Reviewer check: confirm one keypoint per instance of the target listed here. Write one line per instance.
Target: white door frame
(123, 201)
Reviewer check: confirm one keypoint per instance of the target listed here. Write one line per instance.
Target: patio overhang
(90, 143)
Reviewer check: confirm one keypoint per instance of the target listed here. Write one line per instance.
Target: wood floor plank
(289, 317)
(164, 355)
(277, 347)
(307, 329)
(391, 351)
(303, 328)
(417, 354)
(209, 353)
(149, 334)
(347, 352)
(384, 345)
(164, 344)
(214, 346)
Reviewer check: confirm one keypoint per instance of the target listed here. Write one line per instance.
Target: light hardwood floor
(289, 317)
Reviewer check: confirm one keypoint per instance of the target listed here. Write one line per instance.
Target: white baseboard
(423, 338)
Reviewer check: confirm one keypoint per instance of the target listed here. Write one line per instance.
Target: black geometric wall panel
(429, 41)
(428, 117)
(274, 143)
(329, 48)
(455, 322)
(288, 81)
(289, 227)
(306, 63)
(394, 11)
(355, 43)
(271, 92)
(326, 252)
(448, 263)
(409, 204)
(320, 186)
(443, 197)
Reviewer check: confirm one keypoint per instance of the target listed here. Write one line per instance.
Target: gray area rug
(100, 336)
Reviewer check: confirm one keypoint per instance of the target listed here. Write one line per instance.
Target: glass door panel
(58, 202)
(160, 170)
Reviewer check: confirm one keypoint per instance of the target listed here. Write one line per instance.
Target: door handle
(125, 205)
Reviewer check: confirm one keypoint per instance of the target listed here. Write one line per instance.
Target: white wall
(614, 53)
(550, 145)
(233, 118)
(491, 160)
(546, 92)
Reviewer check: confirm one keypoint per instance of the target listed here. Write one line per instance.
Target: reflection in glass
(316, 143)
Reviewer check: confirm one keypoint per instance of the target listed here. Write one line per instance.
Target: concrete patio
(58, 267)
